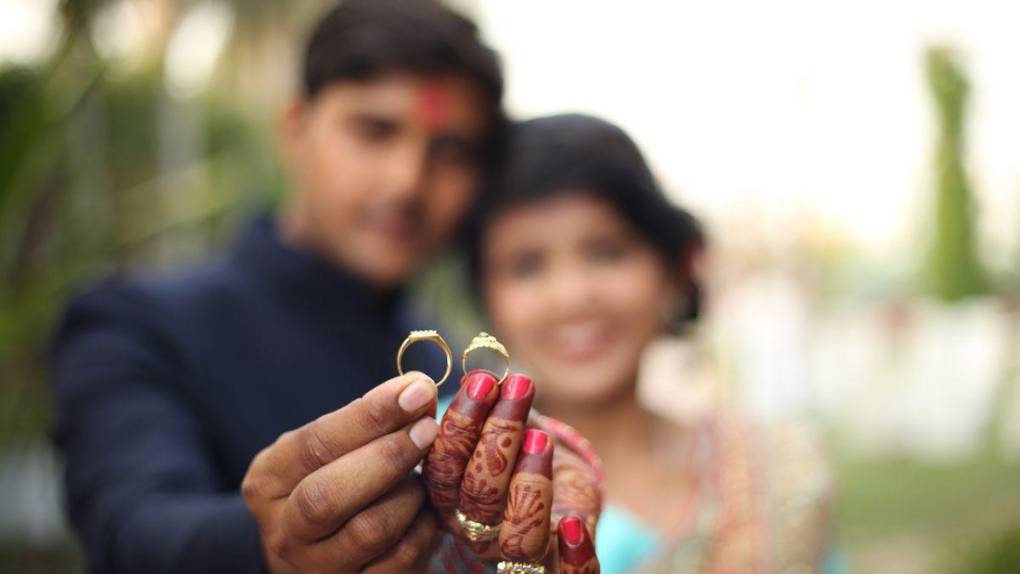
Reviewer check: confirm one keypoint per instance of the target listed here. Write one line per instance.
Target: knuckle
(285, 438)
(313, 503)
(376, 415)
(368, 532)
(252, 488)
(393, 452)
(410, 552)
(316, 450)
(278, 545)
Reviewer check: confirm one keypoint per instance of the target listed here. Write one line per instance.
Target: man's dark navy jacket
(167, 388)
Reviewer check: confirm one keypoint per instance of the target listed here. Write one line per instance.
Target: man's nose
(407, 170)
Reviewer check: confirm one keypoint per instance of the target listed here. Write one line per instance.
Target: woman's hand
(488, 469)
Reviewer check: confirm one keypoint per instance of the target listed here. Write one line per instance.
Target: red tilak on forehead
(433, 105)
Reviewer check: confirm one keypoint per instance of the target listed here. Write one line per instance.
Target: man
(168, 388)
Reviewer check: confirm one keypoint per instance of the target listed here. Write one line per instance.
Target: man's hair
(361, 40)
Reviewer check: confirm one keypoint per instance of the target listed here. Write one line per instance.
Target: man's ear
(290, 128)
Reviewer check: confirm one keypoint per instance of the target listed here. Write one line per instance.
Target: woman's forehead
(557, 217)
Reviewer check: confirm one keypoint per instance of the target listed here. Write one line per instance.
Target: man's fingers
(386, 408)
(487, 477)
(524, 536)
(328, 497)
(370, 533)
(458, 435)
(576, 550)
(375, 531)
(412, 552)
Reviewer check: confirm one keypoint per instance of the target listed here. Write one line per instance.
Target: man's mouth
(395, 226)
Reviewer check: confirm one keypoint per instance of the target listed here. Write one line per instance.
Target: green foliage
(953, 269)
(998, 554)
(85, 185)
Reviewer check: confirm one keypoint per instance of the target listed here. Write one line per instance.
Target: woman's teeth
(579, 338)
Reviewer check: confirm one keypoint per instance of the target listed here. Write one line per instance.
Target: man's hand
(338, 495)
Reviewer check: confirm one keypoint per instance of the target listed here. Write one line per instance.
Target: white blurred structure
(782, 107)
(791, 122)
(905, 378)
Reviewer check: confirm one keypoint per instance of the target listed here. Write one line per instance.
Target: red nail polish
(572, 530)
(535, 441)
(479, 385)
(516, 387)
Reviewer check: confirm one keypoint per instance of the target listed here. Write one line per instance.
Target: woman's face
(575, 294)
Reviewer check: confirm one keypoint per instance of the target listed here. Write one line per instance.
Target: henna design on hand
(458, 433)
(575, 489)
(525, 535)
(487, 476)
(445, 462)
(576, 551)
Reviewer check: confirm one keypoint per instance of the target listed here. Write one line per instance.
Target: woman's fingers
(487, 477)
(576, 490)
(576, 550)
(458, 435)
(524, 536)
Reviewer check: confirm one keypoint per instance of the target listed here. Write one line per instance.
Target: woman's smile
(579, 340)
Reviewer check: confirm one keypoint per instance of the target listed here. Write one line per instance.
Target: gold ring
(428, 335)
(477, 531)
(486, 341)
(508, 567)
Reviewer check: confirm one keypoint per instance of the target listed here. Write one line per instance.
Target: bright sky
(27, 29)
(761, 110)
(788, 106)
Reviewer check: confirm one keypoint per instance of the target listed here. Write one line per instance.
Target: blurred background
(857, 164)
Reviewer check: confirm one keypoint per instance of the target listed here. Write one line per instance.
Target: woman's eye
(607, 250)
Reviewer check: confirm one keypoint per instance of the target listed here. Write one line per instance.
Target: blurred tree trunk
(953, 269)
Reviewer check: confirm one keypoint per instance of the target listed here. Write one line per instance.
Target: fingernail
(416, 395)
(535, 441)
(572, 530)
(424, 432)
(576, 549)
(516, 386)
(479, 385)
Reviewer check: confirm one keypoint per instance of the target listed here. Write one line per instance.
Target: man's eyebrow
(376, 115)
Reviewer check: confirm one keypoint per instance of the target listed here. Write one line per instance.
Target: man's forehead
(433, 104)
(438, 101)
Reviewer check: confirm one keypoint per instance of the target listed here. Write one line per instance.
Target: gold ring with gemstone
(477, 531)
(509, 567)
(486, 341)
(427, 335)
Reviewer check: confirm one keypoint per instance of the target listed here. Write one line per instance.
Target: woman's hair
(545, 157)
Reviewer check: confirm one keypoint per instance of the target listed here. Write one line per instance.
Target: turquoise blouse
(623, 541)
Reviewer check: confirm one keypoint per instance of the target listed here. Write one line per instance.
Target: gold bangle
(509, 567)
(486, 341)
(476, 531)
(427, 335)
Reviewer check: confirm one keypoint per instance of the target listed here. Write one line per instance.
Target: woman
(581, 263)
